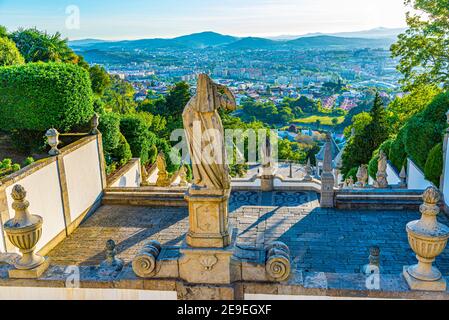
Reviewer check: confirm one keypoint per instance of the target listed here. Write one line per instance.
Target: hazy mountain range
(375, 38)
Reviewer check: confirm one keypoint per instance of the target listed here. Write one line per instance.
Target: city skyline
(139, 19)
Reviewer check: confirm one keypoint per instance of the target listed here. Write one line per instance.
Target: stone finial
(403, 178)
(24, 231)
(144, 264)
(427, 238)
(277, 263)
(308, 168)
(112, 263)
(183, 176)
(374, 261)
(94, 124)
(53, 141)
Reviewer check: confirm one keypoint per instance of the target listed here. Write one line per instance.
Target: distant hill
(376, 33)
(213, 39)
(253, 43)
(205, 39)
(331, 41)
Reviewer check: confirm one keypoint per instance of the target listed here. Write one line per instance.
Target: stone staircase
(145, 196)
(378, 199)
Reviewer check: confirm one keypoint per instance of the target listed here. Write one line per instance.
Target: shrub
(109, 127)
(434, 164)
(28, 161)
(15, 167)
(425, 129)
(6, 164)
(352, 173)
(164, 146)
(122, 153)
(9, 54)
(38, 96)
(135, 130)
(152, 154)
(397, 153)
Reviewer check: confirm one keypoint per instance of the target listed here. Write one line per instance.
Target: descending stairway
(379, 199)
(145, 196)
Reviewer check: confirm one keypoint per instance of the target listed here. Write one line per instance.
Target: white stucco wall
(83, 176)
(131, 178)
(36, 293)
(44, 195)
(152, 178)
(415, 177)
(392, 176)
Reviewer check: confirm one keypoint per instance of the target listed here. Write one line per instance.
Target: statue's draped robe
(201, 112)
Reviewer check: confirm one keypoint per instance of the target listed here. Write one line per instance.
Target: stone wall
(129, 175)
(63, 189)
(415, 177)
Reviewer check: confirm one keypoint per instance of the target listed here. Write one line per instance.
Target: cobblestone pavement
(322, 240)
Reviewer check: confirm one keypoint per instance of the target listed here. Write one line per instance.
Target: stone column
(327, 177)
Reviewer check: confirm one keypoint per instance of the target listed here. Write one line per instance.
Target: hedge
(397, 154)
(135, 130)
(122, 153)
(38, 96)
(109, 127)
(434, 164)
(425, 129)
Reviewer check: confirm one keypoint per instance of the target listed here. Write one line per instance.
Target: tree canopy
(424, 48)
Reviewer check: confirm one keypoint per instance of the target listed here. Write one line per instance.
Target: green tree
(361, 146)
(3, 32)
(9, 54)
(423, 48)
(119, 97)
(99, 78)
(35, 45)
(176, 99)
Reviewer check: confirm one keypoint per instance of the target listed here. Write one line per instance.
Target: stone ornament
(144, 264)
(183, 176)
(381, 176)
(374, 261)
(208, 262)
(277, 264)
(111, 263)
(362, 176)
(94, 124)
(24, 232)
(53, 141)
(427, 238)
(327, 177)
(403, 177)
(308, 169)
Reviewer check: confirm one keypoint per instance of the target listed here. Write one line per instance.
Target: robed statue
(205, 134)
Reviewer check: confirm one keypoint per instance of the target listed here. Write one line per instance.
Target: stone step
(144, 198)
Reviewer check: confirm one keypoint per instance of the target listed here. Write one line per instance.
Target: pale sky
(135, 19)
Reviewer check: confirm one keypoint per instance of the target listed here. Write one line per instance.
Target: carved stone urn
(24, 231)
(427, 238)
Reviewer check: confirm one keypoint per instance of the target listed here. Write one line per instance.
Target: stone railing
(63, 188)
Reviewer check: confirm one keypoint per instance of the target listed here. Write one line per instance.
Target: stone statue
(162, 175)
(381, 176)
(362, 176)
(266, 153)
(205, 134)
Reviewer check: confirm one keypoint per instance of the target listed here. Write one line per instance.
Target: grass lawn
(325, 120)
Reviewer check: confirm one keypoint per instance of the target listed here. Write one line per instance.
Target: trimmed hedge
(397, 154)
(122, 153)
(434, 164)
(109, 127)
(38, 96)
(425, 129)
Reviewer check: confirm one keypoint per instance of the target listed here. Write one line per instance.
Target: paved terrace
(320, 240)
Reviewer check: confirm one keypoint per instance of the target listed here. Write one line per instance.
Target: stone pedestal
(30, 273)
(208, 219)
(267, 183)
(209, 265)
(327, 190)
